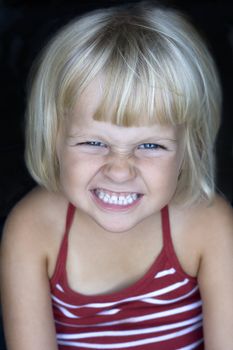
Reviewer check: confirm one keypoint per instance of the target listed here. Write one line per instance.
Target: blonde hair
(157, 69)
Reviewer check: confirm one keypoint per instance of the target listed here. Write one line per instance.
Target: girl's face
(117, 176)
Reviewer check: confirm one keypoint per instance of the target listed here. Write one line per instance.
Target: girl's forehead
(83, 115)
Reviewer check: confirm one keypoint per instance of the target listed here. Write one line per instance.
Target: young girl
(123, 245)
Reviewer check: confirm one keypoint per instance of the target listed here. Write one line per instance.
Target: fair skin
(98, 158)
(136, 170)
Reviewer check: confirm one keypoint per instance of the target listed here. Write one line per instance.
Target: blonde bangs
(147, 75)
(143, 84)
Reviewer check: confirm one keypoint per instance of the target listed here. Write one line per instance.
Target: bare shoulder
(201, 230)
(29, 241)
(215, 241)
(219, 211)
(208, 220)
(217, 231)
(35, 223)
(214, 221)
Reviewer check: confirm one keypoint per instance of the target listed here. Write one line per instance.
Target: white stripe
(132, 343)
(148, 317)
(59, 301)
(66, 312)
(59, 287)
(192, 346)
(154, 315)
(109, 312)
(165, 273)
(170, 301)
(136, 298)
(130, 332)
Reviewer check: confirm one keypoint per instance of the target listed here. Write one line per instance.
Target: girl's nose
(119, 169)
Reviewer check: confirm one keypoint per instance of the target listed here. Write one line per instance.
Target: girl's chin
(116, 228)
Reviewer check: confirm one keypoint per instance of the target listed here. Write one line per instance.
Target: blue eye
(150, 146)
(93, 144)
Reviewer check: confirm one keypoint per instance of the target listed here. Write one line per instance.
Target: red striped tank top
(163, 310)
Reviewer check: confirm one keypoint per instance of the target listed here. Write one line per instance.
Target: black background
(25, 26)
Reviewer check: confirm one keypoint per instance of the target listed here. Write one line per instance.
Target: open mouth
(124, 199)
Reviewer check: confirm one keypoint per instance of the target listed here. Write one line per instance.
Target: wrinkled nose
(119, 169)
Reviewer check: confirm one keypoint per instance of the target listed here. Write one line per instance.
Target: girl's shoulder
(38, 209)
(35, 224)
(205, 218)
(213, 220)
(215, 230)
(197, 231)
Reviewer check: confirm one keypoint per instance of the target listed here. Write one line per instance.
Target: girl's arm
(216, 277)
(25, 295)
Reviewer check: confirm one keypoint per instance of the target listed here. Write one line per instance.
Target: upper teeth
(115, 198)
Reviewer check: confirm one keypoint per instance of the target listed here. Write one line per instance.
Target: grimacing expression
(118, 176)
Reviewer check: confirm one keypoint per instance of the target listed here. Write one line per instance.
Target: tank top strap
(168, 242)
(63, 250)
(69, 218)
(166, 229)
(167, 237)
